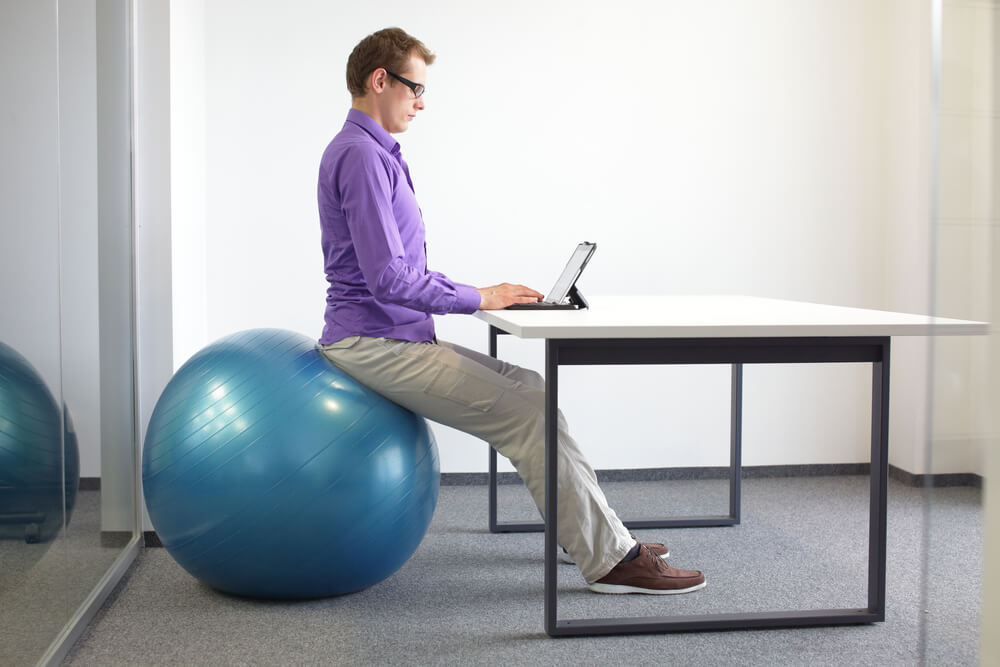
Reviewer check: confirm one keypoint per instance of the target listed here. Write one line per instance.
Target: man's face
(397, 103)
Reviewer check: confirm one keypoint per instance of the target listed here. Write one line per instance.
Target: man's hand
(501, 296)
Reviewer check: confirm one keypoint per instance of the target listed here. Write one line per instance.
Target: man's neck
(362, 105)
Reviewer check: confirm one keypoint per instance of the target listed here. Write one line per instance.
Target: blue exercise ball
(39, 456)
(270, 473)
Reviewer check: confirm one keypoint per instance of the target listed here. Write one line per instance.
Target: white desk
(733, 330)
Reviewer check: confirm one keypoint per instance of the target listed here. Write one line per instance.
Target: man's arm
(503, 295)
(366, 198)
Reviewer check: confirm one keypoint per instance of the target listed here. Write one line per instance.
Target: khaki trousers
(504, 405)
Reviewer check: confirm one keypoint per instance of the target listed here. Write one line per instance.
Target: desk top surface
(718, 316)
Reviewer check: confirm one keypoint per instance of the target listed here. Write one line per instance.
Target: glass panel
(35, 601)
(66, 386)
(963, 374)
(96, 262)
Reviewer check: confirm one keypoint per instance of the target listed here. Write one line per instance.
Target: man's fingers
(519, 291)
(505, 294)
(527, 291)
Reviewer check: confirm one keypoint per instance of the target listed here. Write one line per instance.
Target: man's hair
(390, 48)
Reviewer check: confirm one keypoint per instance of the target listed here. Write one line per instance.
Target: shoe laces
(658, 562)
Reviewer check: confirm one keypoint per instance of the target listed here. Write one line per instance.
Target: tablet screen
(572, 271)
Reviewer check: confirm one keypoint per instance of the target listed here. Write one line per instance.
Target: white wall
(77, 34)
(49, 181)
(907, 224)
(968, 220)
(153, 208)
(29, 188)
(151, 193)
(48, 207)
(188, 226)
(735, 147)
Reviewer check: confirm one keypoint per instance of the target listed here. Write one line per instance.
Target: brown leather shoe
(648, 574)
(657, 548)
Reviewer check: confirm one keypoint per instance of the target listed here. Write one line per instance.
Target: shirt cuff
(467, 299)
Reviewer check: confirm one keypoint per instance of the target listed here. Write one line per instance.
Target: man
(380, 331)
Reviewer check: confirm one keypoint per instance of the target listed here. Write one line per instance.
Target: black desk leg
(735, 472)
(491, 476)
(551, 482)
(878, 350)
(492, 470)
(736, 443)
(879, 482)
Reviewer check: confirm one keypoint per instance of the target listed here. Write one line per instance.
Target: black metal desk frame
(735, 436)
(736, 352)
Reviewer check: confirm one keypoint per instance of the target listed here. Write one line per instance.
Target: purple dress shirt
(373, 242)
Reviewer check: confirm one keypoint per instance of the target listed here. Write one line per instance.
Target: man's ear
(378, 79)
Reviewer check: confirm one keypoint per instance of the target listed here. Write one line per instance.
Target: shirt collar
(369, 125)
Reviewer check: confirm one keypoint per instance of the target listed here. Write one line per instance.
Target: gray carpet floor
(42, 585)
(468, 597)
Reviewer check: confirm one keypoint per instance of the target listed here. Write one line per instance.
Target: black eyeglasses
(417, 88)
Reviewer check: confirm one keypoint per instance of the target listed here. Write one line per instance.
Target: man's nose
(420, 102)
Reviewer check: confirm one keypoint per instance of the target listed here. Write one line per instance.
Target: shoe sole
(619, 589)
(564, 558)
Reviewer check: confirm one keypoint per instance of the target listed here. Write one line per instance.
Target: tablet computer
(564, 295)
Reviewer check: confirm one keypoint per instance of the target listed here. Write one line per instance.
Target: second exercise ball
(39, 456)
(270, 473)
